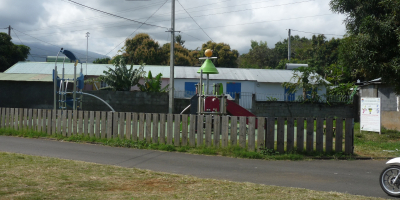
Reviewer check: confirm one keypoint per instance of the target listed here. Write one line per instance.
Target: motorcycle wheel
(386, 180)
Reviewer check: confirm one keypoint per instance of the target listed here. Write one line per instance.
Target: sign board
(370, 114)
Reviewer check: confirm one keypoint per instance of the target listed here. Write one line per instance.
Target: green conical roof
(208, 68)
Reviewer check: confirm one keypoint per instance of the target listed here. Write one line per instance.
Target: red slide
(236, 110)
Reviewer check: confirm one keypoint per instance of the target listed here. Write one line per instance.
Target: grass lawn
(33, 177)
(374, 145)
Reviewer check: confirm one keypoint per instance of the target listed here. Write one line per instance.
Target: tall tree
(373, 38)
(227, 57)
(259, 56)
(102, 61)
(11, 53)
(179, 40)
(142, 49)
(183, 57)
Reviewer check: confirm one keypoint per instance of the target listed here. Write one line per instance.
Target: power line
(138, 27)
(97, 10)
(201, 15)
(316, 33)
(21, 42)
(195, 21)
(90, 18)
(260, 22)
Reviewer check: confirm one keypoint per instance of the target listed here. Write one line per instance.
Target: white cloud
(64, 24)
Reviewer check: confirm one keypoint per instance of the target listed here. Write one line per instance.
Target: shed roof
(29, 77)
(180, 72)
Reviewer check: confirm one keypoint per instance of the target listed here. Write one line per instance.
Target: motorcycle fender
(394, 161)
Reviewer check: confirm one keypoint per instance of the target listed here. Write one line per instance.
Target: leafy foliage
(307, 79)
(373, 39)
(142, 49)
(259, 56)
(102, 61)
(121, 78)
(227, 57)
(153, 84)
(11, 53)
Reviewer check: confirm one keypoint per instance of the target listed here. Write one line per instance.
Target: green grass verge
(35, 177)
(230, 151)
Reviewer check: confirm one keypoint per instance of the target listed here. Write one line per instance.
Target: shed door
(190, 89)
(233, 88)
(288, 96)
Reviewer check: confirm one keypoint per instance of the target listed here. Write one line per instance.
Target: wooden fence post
(148, 127)
(85, 123)
(58, 125)
(141, 126)
(290, 135)
(348, 145)
(109, 124)
(169, 129)
(97, 129)
(310, 134)
(7, 118)
(320, 135)
(122, 125)
(44, 121)
(12, 118)
(128, 125)
(75, 122)
(208, 130)
(339, 135)
(25, 121)
(300, 134)
(184, 130)
(329, 135)
(217, 130)
(200, 129)
(134, 126)
(280, 135)
(251, 135)
(177, 130)
(115, 125)
(64, 123)
(91, 124)
(242, 132)
(51, 122)
(192, 131)
(162, 128)
(80, 122)
(69, 133)
(225, 131)
(155, 129)
(260, 133)
(270, 143)
(103, 125)
(234, 126)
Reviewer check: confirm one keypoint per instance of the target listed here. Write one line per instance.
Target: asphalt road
(358, 177)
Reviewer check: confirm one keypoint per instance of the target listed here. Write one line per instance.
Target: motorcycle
(390, 178)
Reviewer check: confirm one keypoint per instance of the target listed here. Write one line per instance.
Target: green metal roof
(29, 77)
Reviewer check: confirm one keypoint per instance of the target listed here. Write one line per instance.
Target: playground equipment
(216, 103)
(61, 84)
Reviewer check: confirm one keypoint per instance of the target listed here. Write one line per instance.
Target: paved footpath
(354, 177)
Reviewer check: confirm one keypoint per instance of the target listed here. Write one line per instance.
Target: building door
(232, 88)
(190, 89)
(288, 96)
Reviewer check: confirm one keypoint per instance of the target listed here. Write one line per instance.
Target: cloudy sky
(47, 25)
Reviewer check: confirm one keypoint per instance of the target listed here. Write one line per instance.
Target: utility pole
(289, 46)
(171, 76)
(87, 48)
(9, 30)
